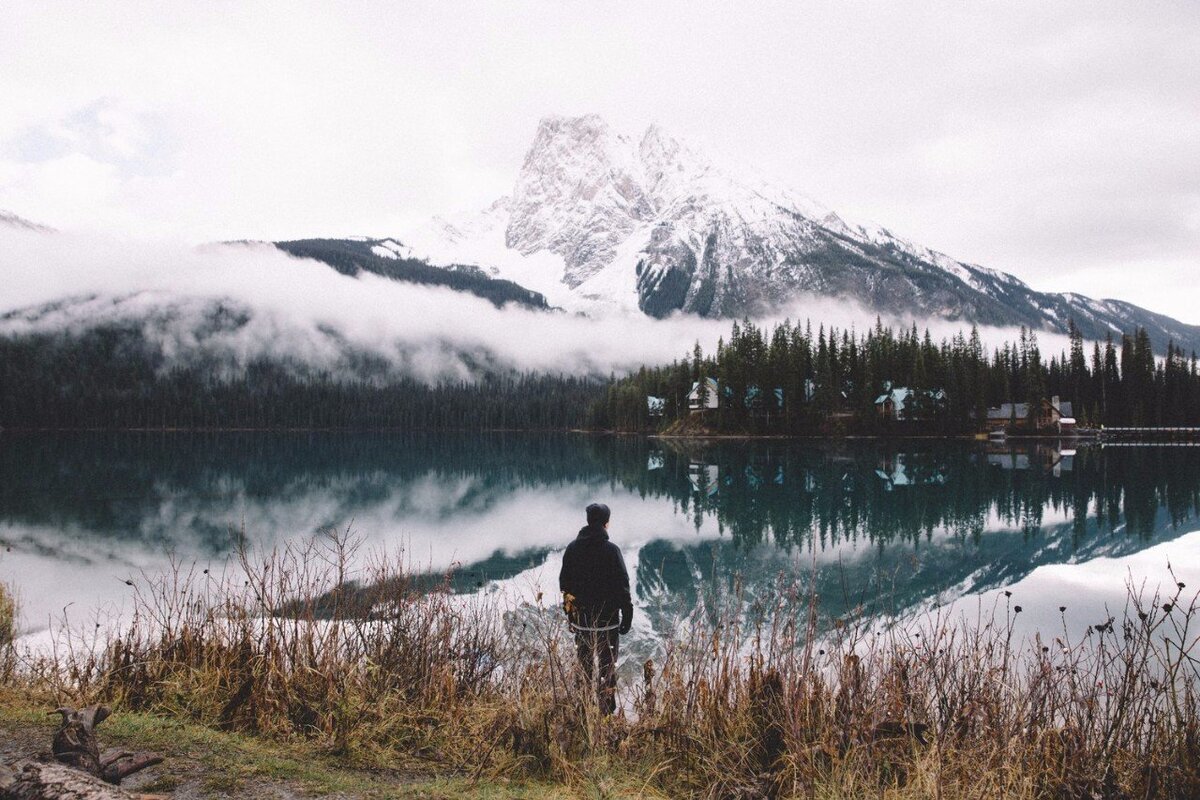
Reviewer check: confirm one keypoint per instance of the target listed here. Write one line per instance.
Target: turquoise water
(893, 528)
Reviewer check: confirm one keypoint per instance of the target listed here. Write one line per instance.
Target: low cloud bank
(243, 301)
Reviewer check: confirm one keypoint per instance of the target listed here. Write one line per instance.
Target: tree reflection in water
(889, 524)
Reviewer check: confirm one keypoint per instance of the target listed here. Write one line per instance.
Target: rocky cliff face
(597, 216)
(580, 194)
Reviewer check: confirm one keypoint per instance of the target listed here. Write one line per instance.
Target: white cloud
(293, 304)
(1056, 141)
(1091, 591)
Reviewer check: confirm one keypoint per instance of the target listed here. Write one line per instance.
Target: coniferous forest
(788, 380)
(110, 378)
(794, 380)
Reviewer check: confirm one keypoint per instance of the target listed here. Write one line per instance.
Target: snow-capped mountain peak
(601, 218)
(605, 202)
(580, 194)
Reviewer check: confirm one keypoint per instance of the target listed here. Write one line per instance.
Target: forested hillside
(792, 380)
(788, 380)
(109, 378)
(351, 256)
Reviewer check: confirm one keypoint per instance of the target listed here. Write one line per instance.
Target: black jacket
(594, 575)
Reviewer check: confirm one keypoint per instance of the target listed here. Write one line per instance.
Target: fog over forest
(304, 312)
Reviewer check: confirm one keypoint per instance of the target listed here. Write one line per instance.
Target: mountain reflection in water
(887, 525)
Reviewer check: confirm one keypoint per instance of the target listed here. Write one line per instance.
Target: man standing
(595, 587)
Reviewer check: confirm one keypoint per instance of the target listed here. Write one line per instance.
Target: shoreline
(964, 437)
(420, 720)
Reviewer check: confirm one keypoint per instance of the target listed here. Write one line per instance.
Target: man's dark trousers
(600, 648)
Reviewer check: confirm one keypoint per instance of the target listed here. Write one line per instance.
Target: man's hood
(593, 533)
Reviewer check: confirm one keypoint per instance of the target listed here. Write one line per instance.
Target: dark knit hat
(598, 514)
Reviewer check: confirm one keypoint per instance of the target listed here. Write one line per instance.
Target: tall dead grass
(8, 632)
(765, 701)
(8, 616)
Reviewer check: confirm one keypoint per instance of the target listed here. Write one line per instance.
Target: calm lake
(896, 528)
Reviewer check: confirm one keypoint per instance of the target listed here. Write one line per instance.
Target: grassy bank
(340, 659)
(202, 762)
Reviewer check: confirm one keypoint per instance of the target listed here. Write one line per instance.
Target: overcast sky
(1057, 141)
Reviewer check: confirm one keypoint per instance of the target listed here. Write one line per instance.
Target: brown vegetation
(8, 616)
(8, 632)
(765, 702)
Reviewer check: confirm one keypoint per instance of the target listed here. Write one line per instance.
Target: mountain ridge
(391, 259)
(597, 217)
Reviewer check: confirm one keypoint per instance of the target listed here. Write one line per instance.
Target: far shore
(697, 436)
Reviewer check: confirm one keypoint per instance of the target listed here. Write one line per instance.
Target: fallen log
(35, 780)
(81, 773)
(75, 745)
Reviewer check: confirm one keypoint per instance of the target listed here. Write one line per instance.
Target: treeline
(786, 380)
(110, 377)
(790, 380)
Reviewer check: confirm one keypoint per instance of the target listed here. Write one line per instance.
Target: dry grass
(8, 632)
(295, 644)
(8, 616)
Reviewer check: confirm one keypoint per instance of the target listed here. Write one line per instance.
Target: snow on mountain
(391, 249)
(600, 218)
